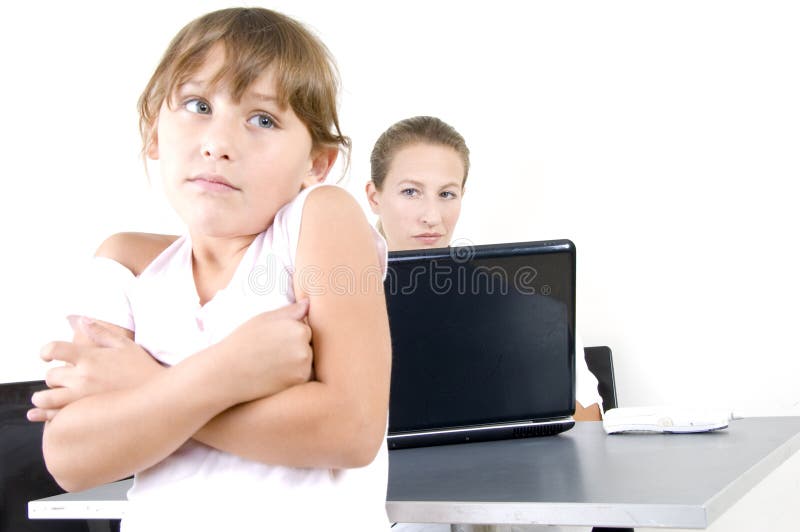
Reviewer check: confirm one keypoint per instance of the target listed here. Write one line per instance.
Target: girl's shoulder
(333, 223)
(327, 197)
(135, 251)
(313, 208)
(330, 199)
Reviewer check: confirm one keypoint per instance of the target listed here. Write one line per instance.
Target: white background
(661, 137)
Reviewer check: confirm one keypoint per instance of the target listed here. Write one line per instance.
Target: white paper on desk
(659, 419)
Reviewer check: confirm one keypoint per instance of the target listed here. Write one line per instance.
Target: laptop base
(480, 433)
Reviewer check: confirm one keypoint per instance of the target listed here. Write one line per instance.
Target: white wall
(661, 137)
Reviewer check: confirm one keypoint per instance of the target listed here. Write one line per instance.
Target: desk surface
(581, 477)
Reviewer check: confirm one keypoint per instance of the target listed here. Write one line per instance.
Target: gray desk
(582, 477)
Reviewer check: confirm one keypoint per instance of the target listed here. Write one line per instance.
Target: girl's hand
(111, 361)
(267, 354)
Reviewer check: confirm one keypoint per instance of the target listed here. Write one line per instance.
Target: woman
(419, 167)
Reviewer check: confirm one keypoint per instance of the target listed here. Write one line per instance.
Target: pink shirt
(199, 487)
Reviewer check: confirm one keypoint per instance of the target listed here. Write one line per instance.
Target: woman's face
(420, 200)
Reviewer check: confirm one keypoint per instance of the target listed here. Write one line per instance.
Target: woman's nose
(431, 216)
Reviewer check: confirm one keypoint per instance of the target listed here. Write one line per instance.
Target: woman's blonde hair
(254, 40)
(415, 130)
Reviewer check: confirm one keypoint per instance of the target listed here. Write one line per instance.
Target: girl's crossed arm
(339, 419)
(336, 421)
(106, 436)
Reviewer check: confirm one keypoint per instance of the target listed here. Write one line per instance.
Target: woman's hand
(107, 360)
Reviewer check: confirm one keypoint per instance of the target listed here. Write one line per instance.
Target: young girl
(234, 429)
(419, 169)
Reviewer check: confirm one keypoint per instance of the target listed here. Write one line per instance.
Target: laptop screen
(481, 335)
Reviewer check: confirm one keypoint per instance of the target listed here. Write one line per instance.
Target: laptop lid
(483, 342)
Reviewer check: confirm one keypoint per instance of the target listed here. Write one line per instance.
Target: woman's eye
(197, 106)
(409, 192)
(447, 194)
(262, 120)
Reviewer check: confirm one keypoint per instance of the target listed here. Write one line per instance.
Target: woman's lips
(428, 239)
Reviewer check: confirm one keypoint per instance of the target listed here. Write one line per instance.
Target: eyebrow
(190, 84)
(269, 100)
(420, 184)
(262, 97)
(200, 84)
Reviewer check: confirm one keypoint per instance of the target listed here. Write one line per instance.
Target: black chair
(23, 475)
(601, 364)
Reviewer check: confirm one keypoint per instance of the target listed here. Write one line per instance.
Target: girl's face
(420, 200)
(229, 166)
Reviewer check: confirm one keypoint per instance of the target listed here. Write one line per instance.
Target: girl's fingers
(63, 351)
(58, 376)
(55, 398)
(40, 415)
(101, 335)
(36, 415)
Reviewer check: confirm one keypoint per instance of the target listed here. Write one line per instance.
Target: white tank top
(198, 487)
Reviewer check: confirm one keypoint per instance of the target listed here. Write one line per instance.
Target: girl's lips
(212, 183)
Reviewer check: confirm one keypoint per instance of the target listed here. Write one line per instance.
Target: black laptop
(483, 342)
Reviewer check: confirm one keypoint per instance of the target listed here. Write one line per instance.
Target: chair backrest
(601, 364)
(23, 475)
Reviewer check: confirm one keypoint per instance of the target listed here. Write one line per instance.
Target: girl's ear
(372, 197)
(321, 163)
(151, 151)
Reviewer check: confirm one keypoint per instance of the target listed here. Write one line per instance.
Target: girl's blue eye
(410, 192)
(262, 120)
(197, 106)
(447, 194)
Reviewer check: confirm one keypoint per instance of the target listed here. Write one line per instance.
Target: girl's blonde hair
(415, 130)
(254, 40)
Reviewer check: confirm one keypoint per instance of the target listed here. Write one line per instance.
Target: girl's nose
(217, 144)
(214, 151)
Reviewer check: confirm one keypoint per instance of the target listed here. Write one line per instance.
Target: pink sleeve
(102, 293)
(286, 229)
